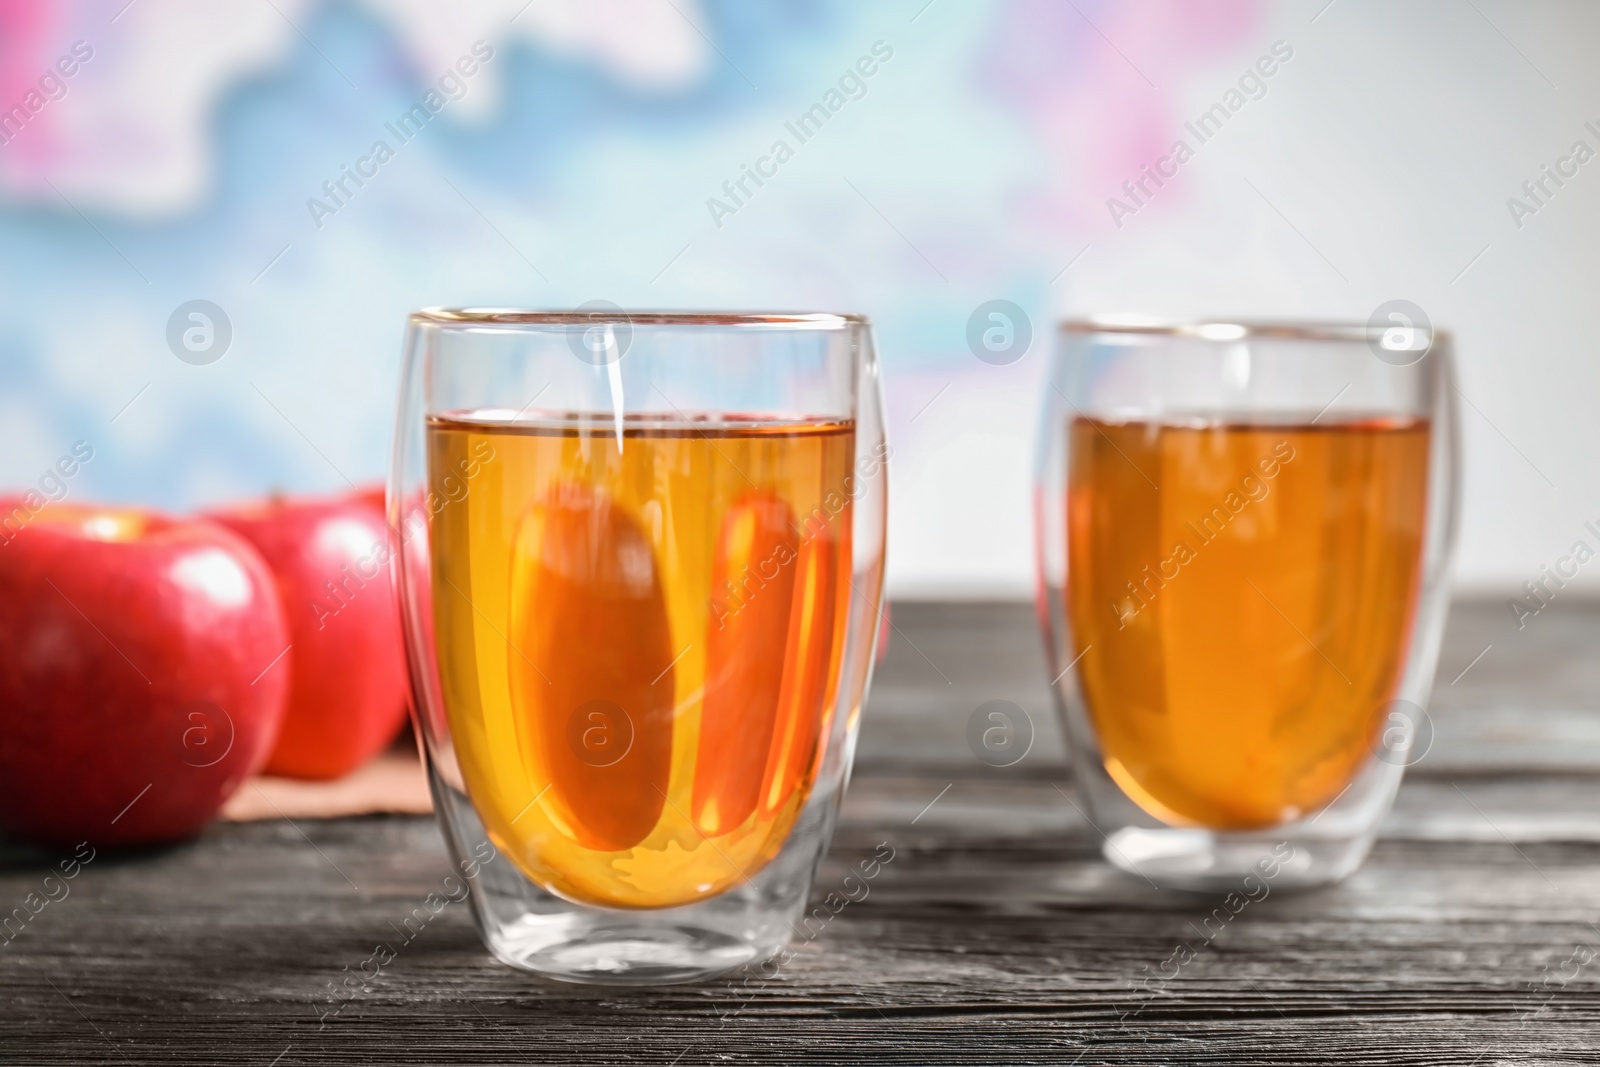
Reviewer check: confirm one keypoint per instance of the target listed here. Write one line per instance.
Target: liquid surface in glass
(1241, 597)
(639, 633)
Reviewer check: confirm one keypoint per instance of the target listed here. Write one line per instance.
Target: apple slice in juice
(595, 717)
(809, 653)
(752, 582)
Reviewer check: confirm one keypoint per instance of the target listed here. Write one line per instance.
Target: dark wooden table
(997, 934)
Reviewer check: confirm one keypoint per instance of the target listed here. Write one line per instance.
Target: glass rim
(1229, 330)
(792, 320)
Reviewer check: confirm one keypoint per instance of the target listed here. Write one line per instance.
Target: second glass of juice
(1243, 531)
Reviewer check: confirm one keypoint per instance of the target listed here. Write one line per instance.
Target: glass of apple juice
(640, 559)
(1243, 531)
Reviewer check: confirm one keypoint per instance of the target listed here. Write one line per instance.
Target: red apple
(140, 679)
(375, 495)
(348, 683)
(378, 497)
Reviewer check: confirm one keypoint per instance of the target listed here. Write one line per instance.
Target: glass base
(530, 928)
(1213, 861)
(602, 950)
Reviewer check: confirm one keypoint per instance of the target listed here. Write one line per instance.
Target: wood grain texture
(997, 934)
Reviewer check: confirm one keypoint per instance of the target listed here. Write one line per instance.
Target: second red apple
(347, 693)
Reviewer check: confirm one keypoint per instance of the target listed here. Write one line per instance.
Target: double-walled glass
(1242, 539)
(640, 559)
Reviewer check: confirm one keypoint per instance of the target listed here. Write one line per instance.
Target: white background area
(1391, 142)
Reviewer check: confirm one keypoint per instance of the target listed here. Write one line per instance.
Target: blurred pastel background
(179, 159)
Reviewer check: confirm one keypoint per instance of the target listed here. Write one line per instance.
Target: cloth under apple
(391, 784)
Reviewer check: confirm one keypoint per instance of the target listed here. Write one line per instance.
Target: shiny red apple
(348, 684)
(140, 672)
(375, 495)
